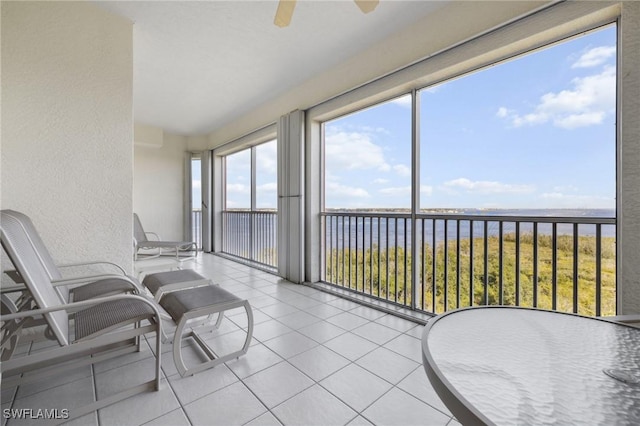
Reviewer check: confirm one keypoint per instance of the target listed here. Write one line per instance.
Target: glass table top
(526, 366)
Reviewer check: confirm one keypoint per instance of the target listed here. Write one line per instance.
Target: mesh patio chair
(69, 285)
(182, 250)
(102, 328)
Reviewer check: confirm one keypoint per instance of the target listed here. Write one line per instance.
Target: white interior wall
(159, 181)
(67, 126)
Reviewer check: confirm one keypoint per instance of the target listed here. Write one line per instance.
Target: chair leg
(214, 358)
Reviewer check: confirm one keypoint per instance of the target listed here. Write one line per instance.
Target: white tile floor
(315, 359)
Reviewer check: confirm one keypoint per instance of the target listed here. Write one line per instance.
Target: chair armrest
(80, 264)
(12, 288)
(75, 306)
(94, 278)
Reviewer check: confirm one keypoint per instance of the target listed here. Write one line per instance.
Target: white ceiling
(200, 65)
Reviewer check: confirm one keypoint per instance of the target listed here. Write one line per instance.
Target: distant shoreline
(550, 212)
(476, 211)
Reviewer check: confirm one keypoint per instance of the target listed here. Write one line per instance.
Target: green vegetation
(370, 272)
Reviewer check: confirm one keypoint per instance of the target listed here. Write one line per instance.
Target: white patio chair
(102, 327)
(182, 250)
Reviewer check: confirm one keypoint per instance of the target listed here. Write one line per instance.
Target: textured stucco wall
(67, 126)
(629, 189)
(158, 186)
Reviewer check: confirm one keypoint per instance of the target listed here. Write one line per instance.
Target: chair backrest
(41, 250)
(22, 253)
(138, 230)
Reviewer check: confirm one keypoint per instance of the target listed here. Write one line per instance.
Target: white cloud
(580, 120)
(267, 158)
(267, 187)
(405, 190)
(561, 200)
(489, 187)
(196, 184)
(339, 190)
(567, 188)
(433, 89)
(239, 163)
(238, 188)
(594, 57)
(426, 189)
(353, 151)
(381, 181)
(404, 101)
(588, 103)
(402, 170)
(503, 112)
(396, 191)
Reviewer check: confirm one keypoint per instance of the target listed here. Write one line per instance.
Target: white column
(207, 201)
(629, 160)
(291, 196)
(313, 201)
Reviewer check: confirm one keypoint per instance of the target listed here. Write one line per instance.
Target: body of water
(366, 231)
(389, 232)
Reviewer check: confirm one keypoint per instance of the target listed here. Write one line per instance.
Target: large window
(368, 158)
(249, 217)
(515, 195)
(537, 132)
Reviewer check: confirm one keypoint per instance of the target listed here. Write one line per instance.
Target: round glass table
(507, 365)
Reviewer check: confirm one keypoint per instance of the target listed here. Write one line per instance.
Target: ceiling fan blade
(284, 13)
(367, 6)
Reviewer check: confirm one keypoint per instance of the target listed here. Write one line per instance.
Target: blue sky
(534, 132)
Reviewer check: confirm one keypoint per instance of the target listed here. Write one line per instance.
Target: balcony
(315, 359)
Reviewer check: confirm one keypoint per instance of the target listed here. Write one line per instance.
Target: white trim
(257, 137)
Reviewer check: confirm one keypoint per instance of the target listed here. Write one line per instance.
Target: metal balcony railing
(557, 263)
(196, 227)
(251, 235)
